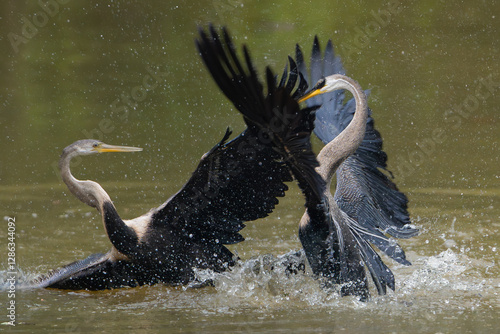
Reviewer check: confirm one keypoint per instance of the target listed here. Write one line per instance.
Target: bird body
(192, 228)
(329, 245)
(367, 204)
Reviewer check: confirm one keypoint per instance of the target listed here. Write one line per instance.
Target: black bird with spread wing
(191, 229)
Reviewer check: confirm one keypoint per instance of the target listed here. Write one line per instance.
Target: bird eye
(95, 144)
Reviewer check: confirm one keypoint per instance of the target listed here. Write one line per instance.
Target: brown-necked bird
(236, 181)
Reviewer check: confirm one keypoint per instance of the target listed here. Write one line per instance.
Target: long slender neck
(89, 192)
(348, 141)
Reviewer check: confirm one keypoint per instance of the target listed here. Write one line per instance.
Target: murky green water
(79, 70)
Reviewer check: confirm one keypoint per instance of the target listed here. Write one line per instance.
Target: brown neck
(348, 141)
(89, 192)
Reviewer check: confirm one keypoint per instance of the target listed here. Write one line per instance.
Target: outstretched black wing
(277, 115)
(364, 192)
(240, 180)
(237, 181)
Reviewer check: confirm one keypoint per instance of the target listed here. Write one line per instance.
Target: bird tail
(66, 277)
(332, 251)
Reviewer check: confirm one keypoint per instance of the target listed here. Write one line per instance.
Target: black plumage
(236, 181)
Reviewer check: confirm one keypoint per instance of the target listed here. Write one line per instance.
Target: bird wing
(364, 190)
(277, 114)
(293, 80)
(234, 182)
(240, 180)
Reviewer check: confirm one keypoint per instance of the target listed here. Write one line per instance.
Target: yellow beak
(316, 90)
(112, 148)
(310, 94)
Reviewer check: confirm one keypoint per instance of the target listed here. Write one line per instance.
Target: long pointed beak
(112, 148)
(316, 90)
(311, 93)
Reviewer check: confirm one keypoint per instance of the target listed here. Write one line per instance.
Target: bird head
(329, 84)
(92, 146)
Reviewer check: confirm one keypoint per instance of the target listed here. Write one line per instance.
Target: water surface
(434, 74)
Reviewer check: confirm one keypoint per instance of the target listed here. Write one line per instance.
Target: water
(434, 74)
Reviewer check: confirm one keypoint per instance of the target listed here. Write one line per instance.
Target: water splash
(272, 281)
(448, 279)
(445, 280)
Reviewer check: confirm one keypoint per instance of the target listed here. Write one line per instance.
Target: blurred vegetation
(83, 59)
